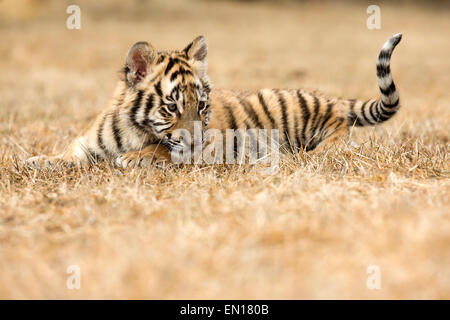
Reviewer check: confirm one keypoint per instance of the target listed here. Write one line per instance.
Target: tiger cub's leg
(80, 152)
(336, 134)
(154, 153)
(43, 161)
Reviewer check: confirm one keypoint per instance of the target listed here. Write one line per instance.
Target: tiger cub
(159, 92)
(164, 91)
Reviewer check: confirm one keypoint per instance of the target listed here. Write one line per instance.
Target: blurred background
(310, 234)
(252, 44)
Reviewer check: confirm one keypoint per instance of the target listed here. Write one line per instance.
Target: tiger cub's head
(176, 86)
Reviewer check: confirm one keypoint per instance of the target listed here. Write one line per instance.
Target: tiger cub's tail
(372, 112)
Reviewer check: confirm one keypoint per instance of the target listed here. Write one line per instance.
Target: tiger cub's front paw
(40, 162)
(129, 160)
(141, 159)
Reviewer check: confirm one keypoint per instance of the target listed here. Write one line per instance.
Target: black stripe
(383, 118)
(231, 118)
(384, 55)
(385, 112)
(384, 115)
(327, 116)
(135, 108)
(298, 143)
(316, 110)
(148, 107)
(100, 135)
(285, 127)
(161, 59)
(174, 75)
(250, 112)
(315, 119)
(175, 90)
(266, 110)
(160, 124)
(181, 71)
(116, 131)
(306, 114)
(186, 50)
(165, 112)
(169, 66)
(390, 89)
(363, 113)
(390, 105)
(184, 71)
(158, 89)
(183, 62)
(383, 71)
(352, 117)
(372, 113)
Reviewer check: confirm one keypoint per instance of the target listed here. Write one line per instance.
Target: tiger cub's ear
(197, 49)
(138, 62)
(196, 53)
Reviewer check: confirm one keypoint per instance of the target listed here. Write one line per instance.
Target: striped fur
(165, 91)
(372, 112)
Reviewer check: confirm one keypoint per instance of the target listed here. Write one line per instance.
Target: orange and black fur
(164, 91)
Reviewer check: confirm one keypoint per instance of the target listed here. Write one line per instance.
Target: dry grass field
(309, 231)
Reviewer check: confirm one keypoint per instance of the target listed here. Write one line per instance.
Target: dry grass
(226, 232)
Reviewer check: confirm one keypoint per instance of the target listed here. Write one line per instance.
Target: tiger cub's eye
(172, 107)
